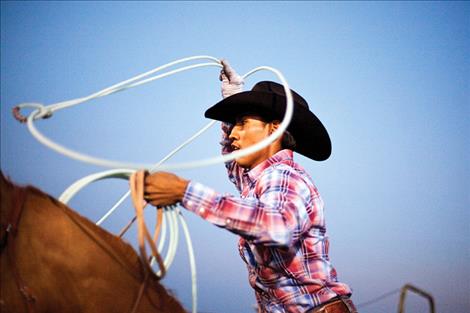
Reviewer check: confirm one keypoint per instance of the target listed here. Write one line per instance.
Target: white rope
(155, 167)
(44, 111)
(73, 189)
(170, 215)
(192, 260)
(129, 83)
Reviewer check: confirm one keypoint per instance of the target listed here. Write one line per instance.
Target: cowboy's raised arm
(232, 83)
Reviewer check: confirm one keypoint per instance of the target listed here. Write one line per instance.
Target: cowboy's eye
(241, 122)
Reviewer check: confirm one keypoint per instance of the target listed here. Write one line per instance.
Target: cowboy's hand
(162, 189)
(232, 83)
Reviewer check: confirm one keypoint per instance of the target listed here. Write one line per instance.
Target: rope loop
(40, 112)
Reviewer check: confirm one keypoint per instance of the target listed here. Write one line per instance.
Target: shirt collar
(283, 156)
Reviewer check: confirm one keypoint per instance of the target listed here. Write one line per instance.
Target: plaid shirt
(283, 241)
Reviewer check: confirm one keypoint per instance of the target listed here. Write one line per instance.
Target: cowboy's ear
(274, 125)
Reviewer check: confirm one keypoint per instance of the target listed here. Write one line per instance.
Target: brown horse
(54, 260)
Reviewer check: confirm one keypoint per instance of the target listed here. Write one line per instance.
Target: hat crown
(278, 89)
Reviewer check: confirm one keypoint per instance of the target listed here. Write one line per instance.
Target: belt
(336, 305)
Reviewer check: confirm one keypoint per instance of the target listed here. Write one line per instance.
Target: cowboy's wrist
(182, 185)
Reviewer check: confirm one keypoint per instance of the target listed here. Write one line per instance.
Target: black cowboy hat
(268, 100)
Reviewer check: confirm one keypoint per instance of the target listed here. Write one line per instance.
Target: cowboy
(279, 213)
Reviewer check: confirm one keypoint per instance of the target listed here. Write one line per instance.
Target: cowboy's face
(247, 131)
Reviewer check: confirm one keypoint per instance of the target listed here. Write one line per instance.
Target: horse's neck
(71, 221)
(110, 244)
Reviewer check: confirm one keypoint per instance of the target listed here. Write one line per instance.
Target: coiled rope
(124, 170)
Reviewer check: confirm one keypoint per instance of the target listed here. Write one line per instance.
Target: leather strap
(136, 183)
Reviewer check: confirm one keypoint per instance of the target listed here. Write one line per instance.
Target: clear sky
(390, 81)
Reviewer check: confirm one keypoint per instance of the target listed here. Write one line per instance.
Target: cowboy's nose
(233, 134)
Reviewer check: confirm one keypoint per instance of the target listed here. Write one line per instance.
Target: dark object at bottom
(336, 305)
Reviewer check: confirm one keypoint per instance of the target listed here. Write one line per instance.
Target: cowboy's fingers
(152, 193)
(229, 71)
(158, 190)
(222, 76)
(153, 181)
(160, 202)
(151, 198)
(164, 179)
(155, 188)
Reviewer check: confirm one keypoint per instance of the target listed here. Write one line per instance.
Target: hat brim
(312, 139)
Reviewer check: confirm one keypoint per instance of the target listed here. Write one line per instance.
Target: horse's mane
(122, 248)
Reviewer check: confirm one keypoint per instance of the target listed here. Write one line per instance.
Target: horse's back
(69, 264)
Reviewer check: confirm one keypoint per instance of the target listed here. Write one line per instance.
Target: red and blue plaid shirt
(280, 220)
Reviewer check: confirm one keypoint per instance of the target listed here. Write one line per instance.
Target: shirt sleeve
(234, 171)
(277, 216)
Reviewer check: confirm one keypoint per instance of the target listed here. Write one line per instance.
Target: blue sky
(390, 81)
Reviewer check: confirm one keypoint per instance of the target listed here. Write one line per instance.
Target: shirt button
(228, 221)
(190, 203)
(202, 210)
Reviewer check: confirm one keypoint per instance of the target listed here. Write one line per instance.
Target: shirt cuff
(200, 199)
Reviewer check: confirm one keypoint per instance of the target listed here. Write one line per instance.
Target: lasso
(124, 170)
